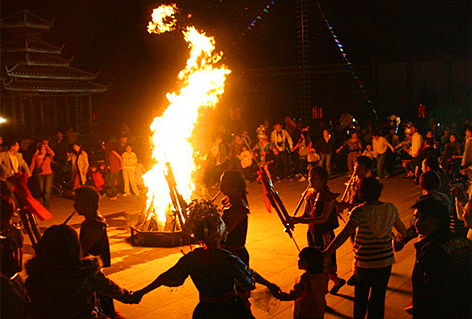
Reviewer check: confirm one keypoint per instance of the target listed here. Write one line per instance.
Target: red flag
(27, 200)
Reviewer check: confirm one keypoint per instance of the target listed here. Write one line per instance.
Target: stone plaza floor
(272, 254)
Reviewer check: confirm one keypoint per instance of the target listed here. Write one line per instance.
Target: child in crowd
(369, 152)
(310, 289)
(95, 179)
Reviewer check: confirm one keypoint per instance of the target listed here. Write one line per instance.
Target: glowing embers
(201, 85)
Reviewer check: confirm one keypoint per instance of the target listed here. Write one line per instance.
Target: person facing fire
(235, 217)
(93, 236)
(235, 213)
(213, 270)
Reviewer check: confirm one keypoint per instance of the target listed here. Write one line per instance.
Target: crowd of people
(60, 165)
(65, 278)
(288, 153)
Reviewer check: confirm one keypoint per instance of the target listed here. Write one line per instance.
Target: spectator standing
(130, 166)
(373, 250)
(61, 147)
(42, 171)
(115, 164)
(280, 140)
(394, 140)
(414, 151)
(354, 148)
(71, 136)
(303, 145)
(326, 147)
(379, 146)
(80, 165)
(407, 160)
(451, 155)
(12, 162)
(442, 277)
(467, 156)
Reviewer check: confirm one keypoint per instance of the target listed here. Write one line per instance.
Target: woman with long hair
(322, 219)
(62, 284)
(235, 213)
(42, 171)
(80, 165)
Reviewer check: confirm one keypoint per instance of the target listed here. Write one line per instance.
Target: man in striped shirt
(372, 223)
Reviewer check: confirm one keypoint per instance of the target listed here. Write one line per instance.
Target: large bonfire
(202, 84)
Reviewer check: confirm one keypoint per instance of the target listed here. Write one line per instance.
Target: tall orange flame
(202, 84)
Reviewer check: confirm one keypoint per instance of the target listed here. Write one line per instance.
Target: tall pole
(303, 48)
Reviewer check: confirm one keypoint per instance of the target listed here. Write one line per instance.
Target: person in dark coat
(442, 276)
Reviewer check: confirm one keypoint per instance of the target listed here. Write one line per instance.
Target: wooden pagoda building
(40, 91)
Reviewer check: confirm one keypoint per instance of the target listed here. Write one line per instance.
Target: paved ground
(273, 255)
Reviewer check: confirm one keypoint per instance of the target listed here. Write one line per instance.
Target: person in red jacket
(116, 163)
(95, 179)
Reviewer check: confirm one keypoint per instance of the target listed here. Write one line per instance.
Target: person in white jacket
(414, 151)
(280, 140)
(130, 165)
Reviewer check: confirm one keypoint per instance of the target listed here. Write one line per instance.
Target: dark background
(110, 36)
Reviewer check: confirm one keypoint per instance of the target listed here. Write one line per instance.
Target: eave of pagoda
(25, 20)
(30, 45)
(59, 87)
(49, 73)
(11, 59)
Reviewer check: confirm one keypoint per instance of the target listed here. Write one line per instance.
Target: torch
(276, 201)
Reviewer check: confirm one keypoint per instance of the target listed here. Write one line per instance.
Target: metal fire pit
(158, 238)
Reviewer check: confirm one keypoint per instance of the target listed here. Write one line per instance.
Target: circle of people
(65, 278)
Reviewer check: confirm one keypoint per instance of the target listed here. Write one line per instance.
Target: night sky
(110, 36)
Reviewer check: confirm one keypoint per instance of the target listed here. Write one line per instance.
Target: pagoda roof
(25, 19)
(30, 45)
(33, 58)
(54, 86)
(49, 72)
